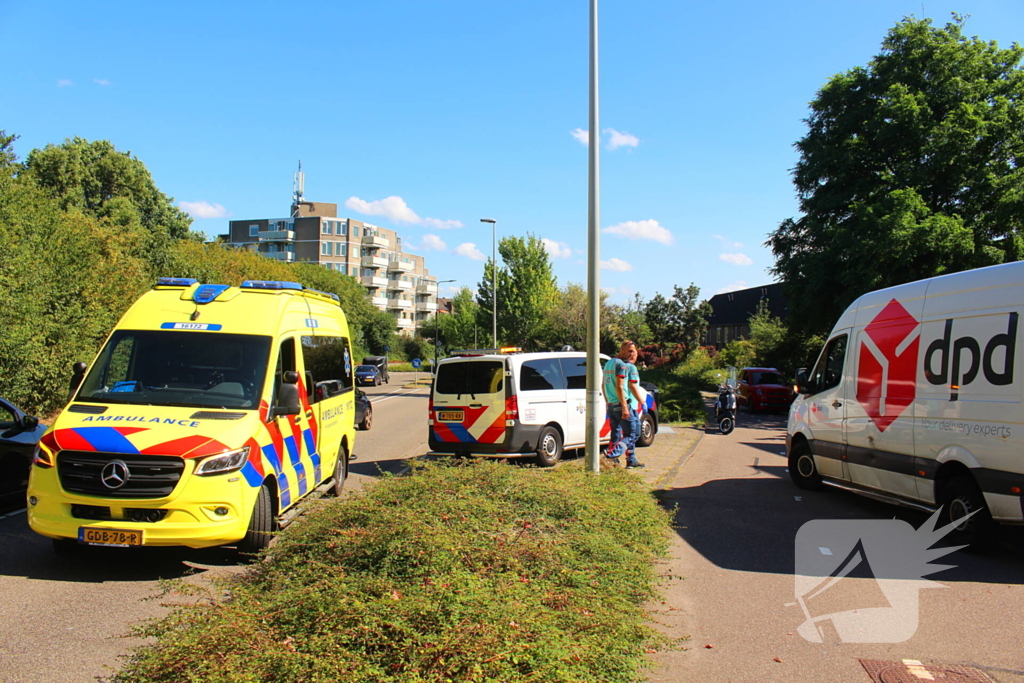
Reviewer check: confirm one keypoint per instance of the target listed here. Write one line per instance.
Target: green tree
(681, 319)
(911, 167)
(768, 336)
(379, 331)
(627, 322)
(526, 291)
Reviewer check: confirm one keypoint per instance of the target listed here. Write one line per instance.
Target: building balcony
(427, 288)
(287, 256)
(375, 242)
(400, 284)
(277, 236)
(373, 281)
(374, 262)
(404, 323)
(380, 302)
(400, 266)
(426, 306)
(399, 304)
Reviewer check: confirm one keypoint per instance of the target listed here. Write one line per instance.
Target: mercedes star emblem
(115, 474)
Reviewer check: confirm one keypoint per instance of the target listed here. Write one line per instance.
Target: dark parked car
(364, 411)
(19, 434)
(764, 389)
(368, 375)
(381, 363)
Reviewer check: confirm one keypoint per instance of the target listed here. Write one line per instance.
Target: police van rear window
(474, 377)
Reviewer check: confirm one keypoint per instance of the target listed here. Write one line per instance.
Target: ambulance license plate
(450, 415)
(116, 537)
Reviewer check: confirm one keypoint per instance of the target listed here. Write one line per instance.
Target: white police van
(500, 402)
(916, 398)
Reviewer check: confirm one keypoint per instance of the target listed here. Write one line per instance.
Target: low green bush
(480, 572)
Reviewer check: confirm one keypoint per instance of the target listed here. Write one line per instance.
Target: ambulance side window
(828, 372)
(285, 362)
(329, 366)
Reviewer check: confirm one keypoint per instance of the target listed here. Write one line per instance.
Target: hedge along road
(63, 621)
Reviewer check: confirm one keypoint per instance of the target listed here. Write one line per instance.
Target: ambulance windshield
(177, 368)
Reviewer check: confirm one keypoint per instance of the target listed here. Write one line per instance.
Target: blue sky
(427, 116)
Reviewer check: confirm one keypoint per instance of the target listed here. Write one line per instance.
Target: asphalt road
(734, 591)
(65, 621)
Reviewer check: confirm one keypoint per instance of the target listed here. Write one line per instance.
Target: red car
(764, 389)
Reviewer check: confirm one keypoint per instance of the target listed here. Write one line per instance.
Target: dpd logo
(887, 367)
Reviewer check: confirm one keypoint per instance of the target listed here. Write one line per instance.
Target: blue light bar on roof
(175, 281)
(271, 284)
(207, 293)
(333, 296)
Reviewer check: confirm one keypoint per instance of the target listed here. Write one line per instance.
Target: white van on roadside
(917, 398)
(503, 403)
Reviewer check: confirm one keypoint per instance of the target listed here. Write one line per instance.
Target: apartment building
(398, 282)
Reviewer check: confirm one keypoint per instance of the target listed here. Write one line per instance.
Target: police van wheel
(961, 496)
(647, 431)
(340, 471)
(261, 524)
(549, 447)
(802, 469)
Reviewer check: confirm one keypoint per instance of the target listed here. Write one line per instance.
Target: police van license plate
(117, 537)
(450, 415)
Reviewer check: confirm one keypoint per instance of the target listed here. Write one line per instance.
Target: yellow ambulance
(209, 412)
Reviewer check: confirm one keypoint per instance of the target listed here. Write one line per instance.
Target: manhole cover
(912, 671)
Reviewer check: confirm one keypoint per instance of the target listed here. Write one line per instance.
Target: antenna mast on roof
(298, 186)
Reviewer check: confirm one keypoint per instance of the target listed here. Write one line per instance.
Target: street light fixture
(494, 278)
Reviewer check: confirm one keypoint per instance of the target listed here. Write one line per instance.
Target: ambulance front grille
(149, 476)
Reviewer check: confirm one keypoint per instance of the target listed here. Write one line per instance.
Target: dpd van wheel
(367, 419)
(961, 496)
(341, 470)
(549, 447)
(802, 469)
(647, 430)
(726, 425)
(261, 525)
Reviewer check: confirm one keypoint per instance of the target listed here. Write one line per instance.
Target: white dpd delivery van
(917, 399)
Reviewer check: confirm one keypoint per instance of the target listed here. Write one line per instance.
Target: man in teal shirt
(621, 380)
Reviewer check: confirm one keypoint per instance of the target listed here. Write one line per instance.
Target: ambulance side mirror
(287, 402)
(77, 375)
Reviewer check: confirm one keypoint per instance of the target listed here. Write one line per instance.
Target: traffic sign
(416, 363)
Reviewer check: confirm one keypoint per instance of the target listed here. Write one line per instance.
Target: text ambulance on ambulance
(209, 411)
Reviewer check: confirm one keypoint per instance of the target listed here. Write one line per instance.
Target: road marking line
(11, 514)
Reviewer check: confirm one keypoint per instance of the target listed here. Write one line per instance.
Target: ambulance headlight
(225, 462)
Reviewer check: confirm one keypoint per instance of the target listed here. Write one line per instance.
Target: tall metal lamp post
(494, 278)
(437, 330)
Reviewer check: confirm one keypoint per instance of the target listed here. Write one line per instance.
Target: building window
(325, 248)
(355, 231)
(340, 249)
(254, 230)
(325, 228)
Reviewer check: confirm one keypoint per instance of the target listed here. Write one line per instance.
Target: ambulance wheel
(261, 524)
(367, 419)
(549, 447)
(340, 471)
(802, 469)
(647, 430)
(961, 496)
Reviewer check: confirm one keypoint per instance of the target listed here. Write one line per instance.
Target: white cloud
(469, 250)
(621, 139)
(63, 83)
(617, 265)
(396, 210)
(736, 259)
(624, 292)
(101, 81)
(734, 287)
(556, 249)
(728, 244)
(433, 242)
(581, 135)
(203, 209)
(641, 230)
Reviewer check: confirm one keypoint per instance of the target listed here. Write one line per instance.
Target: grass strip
(473, 572)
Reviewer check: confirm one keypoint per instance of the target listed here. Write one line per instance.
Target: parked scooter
(725, 405)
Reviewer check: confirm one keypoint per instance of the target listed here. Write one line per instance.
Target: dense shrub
(482, 572)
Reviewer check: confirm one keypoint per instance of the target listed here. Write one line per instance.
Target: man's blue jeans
(624, 434)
